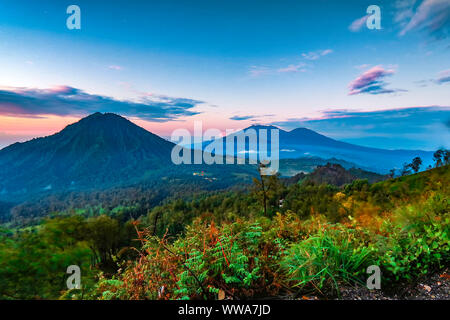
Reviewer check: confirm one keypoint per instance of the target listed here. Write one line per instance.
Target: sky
(167, 63)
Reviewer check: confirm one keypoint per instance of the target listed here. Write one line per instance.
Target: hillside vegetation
(276, 240)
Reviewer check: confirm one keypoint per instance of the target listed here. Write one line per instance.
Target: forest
(276, 238)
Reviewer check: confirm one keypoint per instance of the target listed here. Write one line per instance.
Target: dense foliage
(276, 240)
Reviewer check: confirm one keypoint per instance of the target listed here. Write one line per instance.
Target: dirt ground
(433, 287)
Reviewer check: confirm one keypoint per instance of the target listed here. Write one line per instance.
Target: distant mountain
(302, 142)
(97, 152)
(336, 175)
(291, 167)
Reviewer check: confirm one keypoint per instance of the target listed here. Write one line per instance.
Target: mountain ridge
(99, 152)
(301, 142)
(106, 149)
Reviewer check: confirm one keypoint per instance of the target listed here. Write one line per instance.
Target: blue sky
(167, 63)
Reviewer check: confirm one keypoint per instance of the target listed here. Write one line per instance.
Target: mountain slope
(335, 174)
(95, 151)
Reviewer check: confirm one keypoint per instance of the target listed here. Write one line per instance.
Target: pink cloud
(371, 82)
(61, 90)
(358, 24)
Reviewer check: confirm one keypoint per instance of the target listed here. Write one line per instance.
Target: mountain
(335, 174)
(305, 143)
(103, 151)
(97, 150)
(106, 150)
(291, 167)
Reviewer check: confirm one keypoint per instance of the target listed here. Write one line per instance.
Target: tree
(437, 157)
(446, 157)
(104, 240)
(406, 169)
(415, 164)
(391, 173)
(267, 188)
(261, 188)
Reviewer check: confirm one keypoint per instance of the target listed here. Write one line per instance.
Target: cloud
(240, 118)
(431, 16)
(115, 67)
(256, 71)
(443, 77)
(371, 82)
(251, 117)
(65, 100)
(292, 68)
(362, 66)
(315, 55)
(403, 128)
(358, 24)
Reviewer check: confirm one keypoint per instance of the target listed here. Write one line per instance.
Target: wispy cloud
(256, 71)
(302, 66)
(443, 77)
(371, 82)
(240, 118)
(315, 55)
(408, 128)
(65, 100)
(431, 16)
(293, 68)
(362, 66)
(358, 24)
(251, 117)
(115, 67)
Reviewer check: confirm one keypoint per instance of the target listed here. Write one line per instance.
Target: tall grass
(326, 259)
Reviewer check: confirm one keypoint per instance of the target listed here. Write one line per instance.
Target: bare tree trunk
(263, 190)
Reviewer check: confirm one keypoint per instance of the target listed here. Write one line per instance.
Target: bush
(418, 241)
(324, 260)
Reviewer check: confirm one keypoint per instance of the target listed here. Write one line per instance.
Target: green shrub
(417, 243)
(324, 260)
